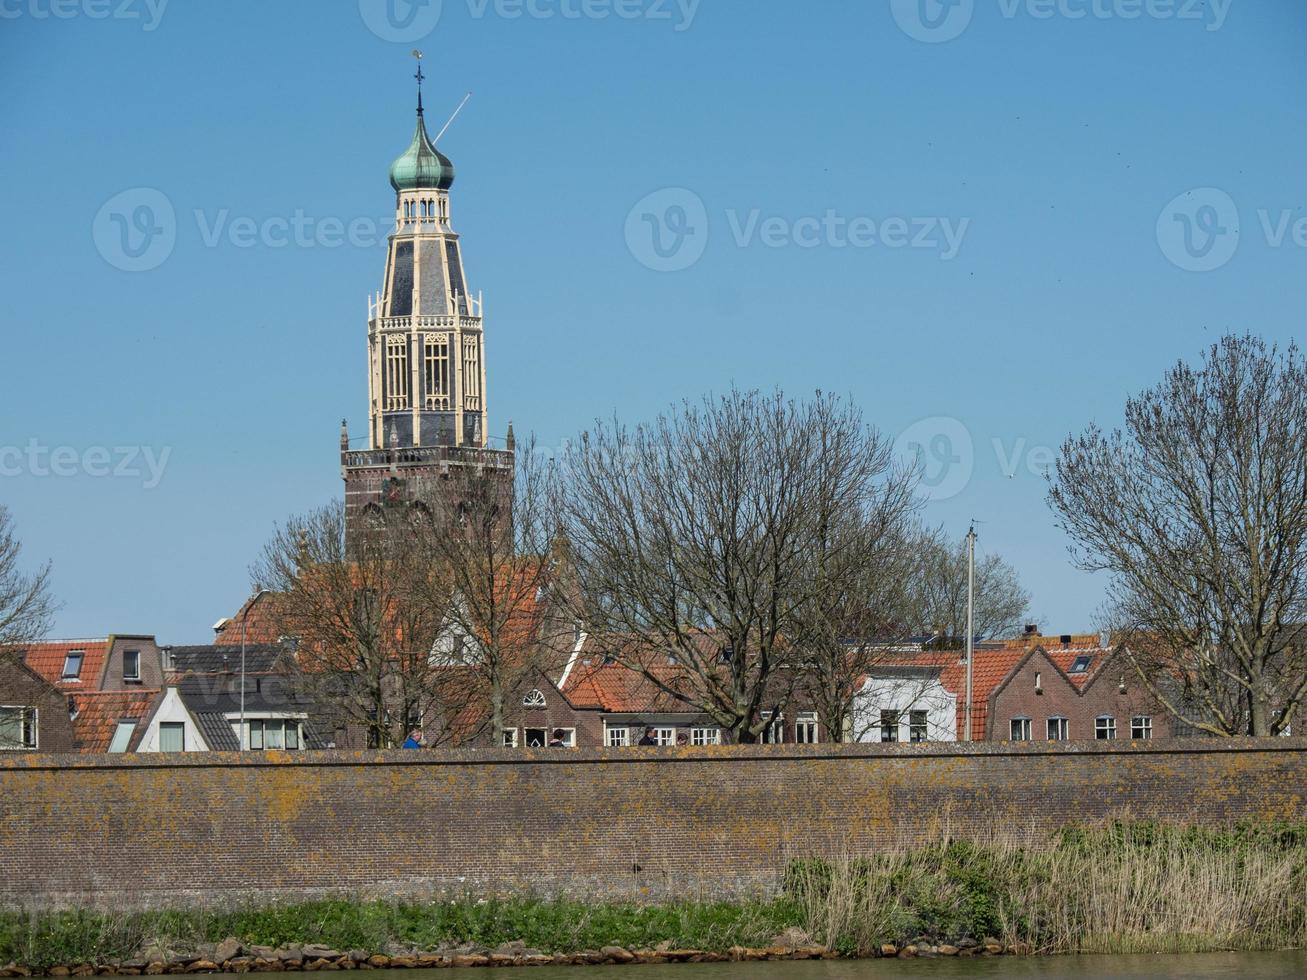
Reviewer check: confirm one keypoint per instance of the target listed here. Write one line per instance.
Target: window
(17, 728)
(917, 726)
(396, 373)
(534, 700)
(665, 736)
(436, 363)
(889, 726)
(774, 733)
(705, 736)
(618, 738)
(1020, 730)
(172, 736)
(1080, 665)
(569, 736)
(1141, 726)
(1057, 730)
(510, 738)
(73, 665)
(122, 736)
(805, 728)
(1105, 727)
(131, 665)
(471, 375)
(274, 733)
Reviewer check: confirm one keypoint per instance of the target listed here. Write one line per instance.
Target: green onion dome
(421, 166)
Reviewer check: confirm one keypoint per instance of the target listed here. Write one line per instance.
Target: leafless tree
(363, 622)
(487, 539)
(861, 605)
(1000, 607)
(1198, 510)
(26, 606)
(705, 541)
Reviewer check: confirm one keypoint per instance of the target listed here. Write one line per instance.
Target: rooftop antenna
(453, 117)
(419, 76)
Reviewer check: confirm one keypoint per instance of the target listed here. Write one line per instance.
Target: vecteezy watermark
(943, 452)
(147, 12)
(117, 462)
(137, 230)
(1201, 230)
(401, 20)
(937, 21)
(668, 231)
(411, 20)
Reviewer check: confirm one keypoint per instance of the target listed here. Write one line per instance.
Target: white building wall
(905, 695)
(172, 709)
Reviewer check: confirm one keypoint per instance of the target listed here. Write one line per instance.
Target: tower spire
(419, 76)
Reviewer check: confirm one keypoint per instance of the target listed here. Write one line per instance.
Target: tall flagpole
(971, 618)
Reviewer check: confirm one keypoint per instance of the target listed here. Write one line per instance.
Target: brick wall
(620, 822)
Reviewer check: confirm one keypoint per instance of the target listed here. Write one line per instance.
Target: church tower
(426, 351)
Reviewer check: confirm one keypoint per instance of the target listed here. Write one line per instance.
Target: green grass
(71, 937)
(1124, 887)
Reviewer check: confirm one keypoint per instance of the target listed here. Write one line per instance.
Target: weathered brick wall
(621, 822)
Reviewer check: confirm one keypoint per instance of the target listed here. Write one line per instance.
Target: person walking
(650, 737)
(414, 740)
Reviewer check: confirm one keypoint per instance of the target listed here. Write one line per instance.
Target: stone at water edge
(889, 949)
(618, 954)
(228, 949)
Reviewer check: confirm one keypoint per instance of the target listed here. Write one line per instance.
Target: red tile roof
(47, 659)
(257, 615)
(991, 669)
(98, 715)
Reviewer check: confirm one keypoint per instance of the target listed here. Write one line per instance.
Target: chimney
(1065, 639)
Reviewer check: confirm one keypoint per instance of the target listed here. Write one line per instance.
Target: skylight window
(1081, 665)
(73, 665)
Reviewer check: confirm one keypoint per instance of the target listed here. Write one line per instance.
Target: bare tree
(699, 541)
(1198, 510)
(363, 620)
(26, 606)
(487, 539)
(861, 605)
(1001, 604)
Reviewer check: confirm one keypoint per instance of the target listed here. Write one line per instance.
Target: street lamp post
(971, 618)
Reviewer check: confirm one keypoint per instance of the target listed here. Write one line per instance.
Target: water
(1204, 966)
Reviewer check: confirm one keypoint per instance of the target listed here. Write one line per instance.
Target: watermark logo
(148, 13)
(401, 20)
(933, 21)
(135, 231)
(833, 230)
(1199, 230)
(144, 463)
(667, 231)
(943, 452)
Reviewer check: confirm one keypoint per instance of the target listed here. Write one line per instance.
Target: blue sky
(987, 238)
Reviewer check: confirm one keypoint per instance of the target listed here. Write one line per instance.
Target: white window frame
(664, 735)
(1141, 727)
(1026, 729)
(886, 728)
(135, 675)
(509, 738)
(24, 725)
(617, 736)
(1063, 726)
(704, 735)
(569, 736)
(806, 729)
(924, 726)
(1105, 728)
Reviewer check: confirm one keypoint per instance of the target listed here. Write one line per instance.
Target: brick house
(33, 712)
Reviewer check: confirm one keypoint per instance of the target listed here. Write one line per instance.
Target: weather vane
(419, 76)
